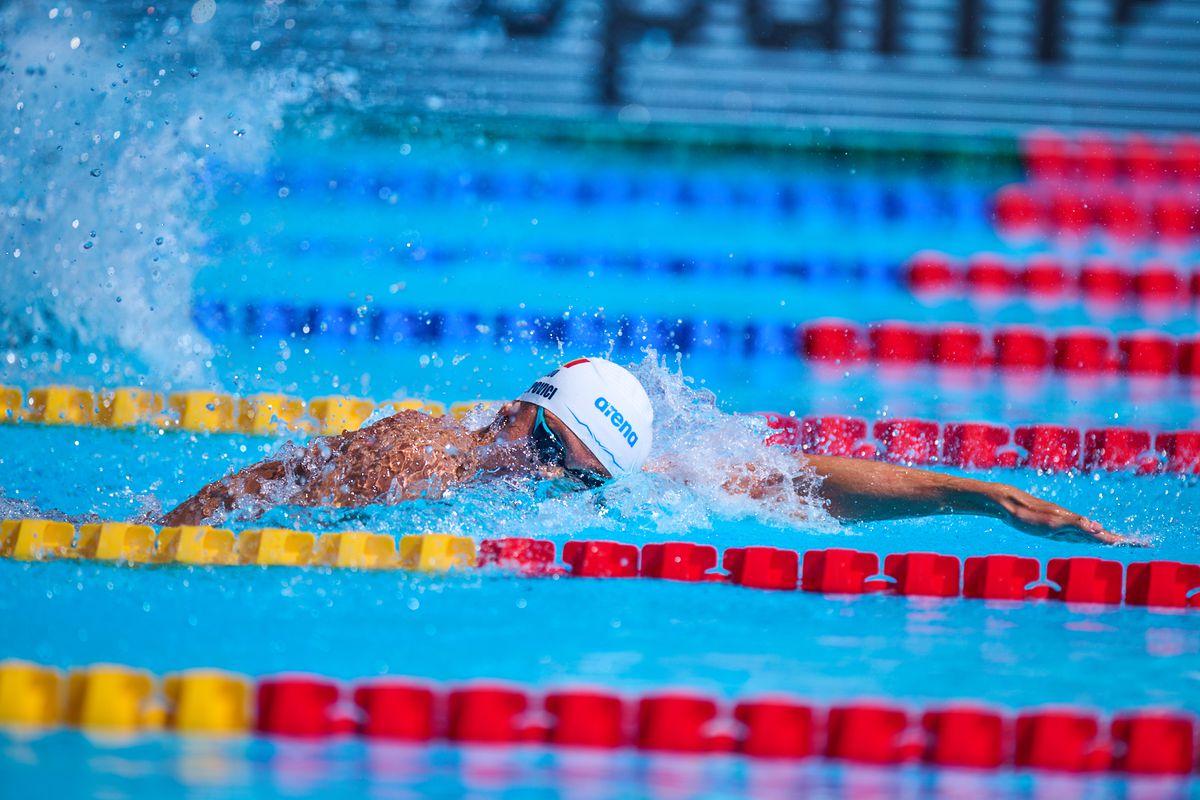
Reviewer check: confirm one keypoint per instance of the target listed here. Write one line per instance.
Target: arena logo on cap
(618, 420)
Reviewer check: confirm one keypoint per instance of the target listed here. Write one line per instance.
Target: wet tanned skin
(407, 456)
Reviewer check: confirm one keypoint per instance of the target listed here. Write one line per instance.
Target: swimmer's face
(551, 448)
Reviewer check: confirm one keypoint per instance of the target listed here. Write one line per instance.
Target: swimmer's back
(406, 456)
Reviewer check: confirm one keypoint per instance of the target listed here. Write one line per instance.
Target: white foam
(111, 148)
(697, 449)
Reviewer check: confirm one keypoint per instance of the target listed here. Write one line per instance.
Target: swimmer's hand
(1036, 517)
(862, 491)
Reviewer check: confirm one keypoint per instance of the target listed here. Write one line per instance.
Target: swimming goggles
(551, 451)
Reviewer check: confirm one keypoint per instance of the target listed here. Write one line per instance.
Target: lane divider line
(202, 411)
(1078, 579)
(981, 445)
(109, 698)
(1161, 289)
(915, 442)
(1143, 353)
(1012, 348)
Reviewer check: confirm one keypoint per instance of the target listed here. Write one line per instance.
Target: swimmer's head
(604, 405)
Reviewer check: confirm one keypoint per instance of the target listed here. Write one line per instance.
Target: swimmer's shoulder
(412, 421)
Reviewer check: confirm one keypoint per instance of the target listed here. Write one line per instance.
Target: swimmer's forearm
(858, 490)
(221, 496)
(201, 506)
(861, 491)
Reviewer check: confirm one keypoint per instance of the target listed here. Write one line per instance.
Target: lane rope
(844, 343)
(832, 571)
(206, 702)
(1157, 288)
(914, 442)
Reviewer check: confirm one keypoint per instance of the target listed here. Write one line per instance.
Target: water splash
(700, 453)
(112, 143)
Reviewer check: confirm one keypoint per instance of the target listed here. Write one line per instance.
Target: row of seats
(1157, 286)
(1099, 158)
(1017, 347)
(1159, 584)
(202, 411)
(979, 445)
(861, 200)
(113, 698)
(1171, 217)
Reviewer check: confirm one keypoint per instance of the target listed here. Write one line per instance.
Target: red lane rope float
(1159, 287)
(394, 709)
(1021, 348)
(978, 445)
(1093, 157)
(1167, 215)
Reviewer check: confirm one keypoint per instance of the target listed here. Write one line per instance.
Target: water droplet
(96, 172)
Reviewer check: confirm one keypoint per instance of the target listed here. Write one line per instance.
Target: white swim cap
(604, 405)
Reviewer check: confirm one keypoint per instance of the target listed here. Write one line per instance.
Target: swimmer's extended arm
(859, 490)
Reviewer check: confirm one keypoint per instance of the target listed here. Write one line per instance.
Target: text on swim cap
(618, 420)
(543, 389)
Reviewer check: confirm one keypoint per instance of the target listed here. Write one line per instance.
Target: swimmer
(584, 424)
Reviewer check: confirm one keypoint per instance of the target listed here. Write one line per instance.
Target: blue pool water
(276, 192)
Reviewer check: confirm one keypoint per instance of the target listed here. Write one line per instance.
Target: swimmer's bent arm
(858, 490)
(221, 496)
